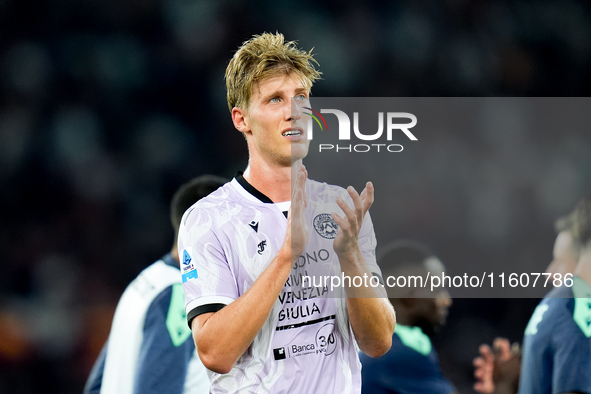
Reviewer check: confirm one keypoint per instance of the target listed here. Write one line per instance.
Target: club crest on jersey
(326, 226)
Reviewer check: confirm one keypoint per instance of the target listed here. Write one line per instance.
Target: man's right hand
(297, 234)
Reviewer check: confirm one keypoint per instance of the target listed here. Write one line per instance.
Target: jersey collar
(251, 193)
(251, 189)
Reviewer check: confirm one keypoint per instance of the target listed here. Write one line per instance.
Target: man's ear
(240, 120)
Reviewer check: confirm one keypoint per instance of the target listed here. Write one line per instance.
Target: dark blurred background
(106, 107)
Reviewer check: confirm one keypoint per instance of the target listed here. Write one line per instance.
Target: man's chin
(298, 153)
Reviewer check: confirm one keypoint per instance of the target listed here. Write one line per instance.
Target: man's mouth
(290, 133)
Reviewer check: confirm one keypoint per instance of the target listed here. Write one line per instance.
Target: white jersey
(226, 240)
(150, 350)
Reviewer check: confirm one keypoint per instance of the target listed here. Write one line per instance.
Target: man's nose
(295, 111)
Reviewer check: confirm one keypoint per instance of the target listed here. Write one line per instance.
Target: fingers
(361, 203)
(302, 175)
(300, 178)
(483, 376)
(515, 349)
(502, 348)
(484, 363)
(367, 196)
(357, 204)
(297, 226)
(486, 353)
(298, 204)
(479, 368)
(344, 223)
(351, 221)
(483, 370)
(493, 364)
(299, 197)
(483, 388)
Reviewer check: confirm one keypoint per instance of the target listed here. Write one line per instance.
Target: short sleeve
(208, 281)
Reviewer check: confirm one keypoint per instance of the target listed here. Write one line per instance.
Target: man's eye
(300, 97)
(275, 100)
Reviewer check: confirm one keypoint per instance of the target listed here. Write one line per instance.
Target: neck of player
(583, 269)
(273, 181)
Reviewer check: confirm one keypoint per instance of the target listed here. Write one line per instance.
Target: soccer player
(556, 356)
(565, 255)
(150, 349)
(411, 365)
(246, 247)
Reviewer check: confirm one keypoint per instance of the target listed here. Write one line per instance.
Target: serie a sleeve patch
(176, 319)
(188, 269)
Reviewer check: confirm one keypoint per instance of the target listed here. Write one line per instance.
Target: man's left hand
(347, 237)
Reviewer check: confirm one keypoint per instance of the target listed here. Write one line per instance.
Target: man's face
(274, 129)
(563, 261)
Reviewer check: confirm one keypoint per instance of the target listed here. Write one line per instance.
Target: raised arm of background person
(484, 366)
(222, 337)
(370, 313)
(497, 369)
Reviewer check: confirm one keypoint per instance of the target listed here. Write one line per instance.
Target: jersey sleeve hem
(206, 305)
(203, 309)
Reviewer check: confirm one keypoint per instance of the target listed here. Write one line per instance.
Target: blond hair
(263, 56)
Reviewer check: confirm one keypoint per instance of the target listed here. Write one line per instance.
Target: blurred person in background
(556, 355)
(411, 366)
(565, 255)
(150, 349)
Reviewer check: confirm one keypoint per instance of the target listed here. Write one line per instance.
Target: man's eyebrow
(281, 92)
(301, 90)
(274, 93)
